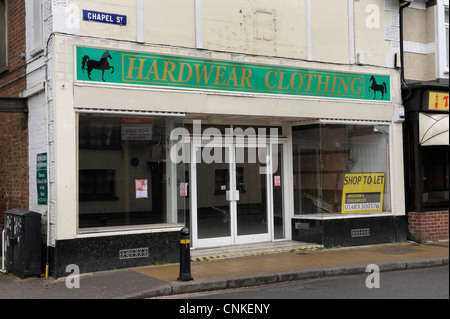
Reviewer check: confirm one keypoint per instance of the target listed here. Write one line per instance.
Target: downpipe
(403, 5)
(3, 270)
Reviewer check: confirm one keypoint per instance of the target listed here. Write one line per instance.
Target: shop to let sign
(41, 179)
(363, 193)
(200, 74)
(438, 101)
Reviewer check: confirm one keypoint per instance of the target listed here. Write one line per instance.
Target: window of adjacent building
(3, 36)
(442, 37)
(341, 169)
(435, 167)
(447, 34)
(125, 175)
(37, 27)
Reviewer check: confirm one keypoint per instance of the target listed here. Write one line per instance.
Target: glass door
(238, 194)
(251, 182)
(278, 191)
(212, 216)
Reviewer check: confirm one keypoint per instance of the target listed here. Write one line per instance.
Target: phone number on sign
(362, 206)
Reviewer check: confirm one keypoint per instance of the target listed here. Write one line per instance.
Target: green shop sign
(41, 178)
(189, 73)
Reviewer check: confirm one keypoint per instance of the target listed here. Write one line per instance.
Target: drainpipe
(403, 5)
(3, 270)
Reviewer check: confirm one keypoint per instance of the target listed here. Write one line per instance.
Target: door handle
(232, 195)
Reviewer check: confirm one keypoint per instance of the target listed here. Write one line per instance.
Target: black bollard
(185, 256)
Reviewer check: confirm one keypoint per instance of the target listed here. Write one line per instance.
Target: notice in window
(141, 188)
(137, 129)
(363, 193)
(277, 180)
(183, 189)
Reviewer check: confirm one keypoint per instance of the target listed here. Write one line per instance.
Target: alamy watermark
(373, 280)
(214, 147)
(73, 280)
(373, 17)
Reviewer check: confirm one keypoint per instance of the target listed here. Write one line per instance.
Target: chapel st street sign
(104, 17)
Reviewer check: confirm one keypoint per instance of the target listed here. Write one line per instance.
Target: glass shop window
(341, 169)
(125, 175)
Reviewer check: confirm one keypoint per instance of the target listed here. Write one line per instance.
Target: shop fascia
(236, 78)
(201, 74)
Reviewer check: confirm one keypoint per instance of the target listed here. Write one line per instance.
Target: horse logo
(98, 65)
(377, 87)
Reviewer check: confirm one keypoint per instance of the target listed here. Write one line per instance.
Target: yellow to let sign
(363, 193)
(438, 101)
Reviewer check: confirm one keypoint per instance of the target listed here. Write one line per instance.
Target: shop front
(149, 140)
(237, 186)
(427, 161)
(342, 184)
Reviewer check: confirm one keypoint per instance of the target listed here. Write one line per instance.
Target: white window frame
(389, 174)
(37, 27)
(442, 67)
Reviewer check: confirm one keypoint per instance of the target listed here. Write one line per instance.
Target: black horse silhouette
(377, 87)
(99, 65)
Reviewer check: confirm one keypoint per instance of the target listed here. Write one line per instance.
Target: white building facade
(245, 121)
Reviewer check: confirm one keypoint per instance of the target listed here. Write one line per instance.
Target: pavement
(224, 268)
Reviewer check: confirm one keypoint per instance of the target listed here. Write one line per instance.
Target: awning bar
(127, 112)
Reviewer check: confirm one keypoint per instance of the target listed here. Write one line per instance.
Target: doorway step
(206, 254)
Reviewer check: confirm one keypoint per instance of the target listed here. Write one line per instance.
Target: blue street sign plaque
(104, 17)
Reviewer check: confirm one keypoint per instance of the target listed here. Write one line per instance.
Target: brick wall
(13, 162)
(429, 226)
(14, 126)
(13, 81)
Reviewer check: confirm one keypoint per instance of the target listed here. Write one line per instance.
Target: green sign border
(120, 67)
